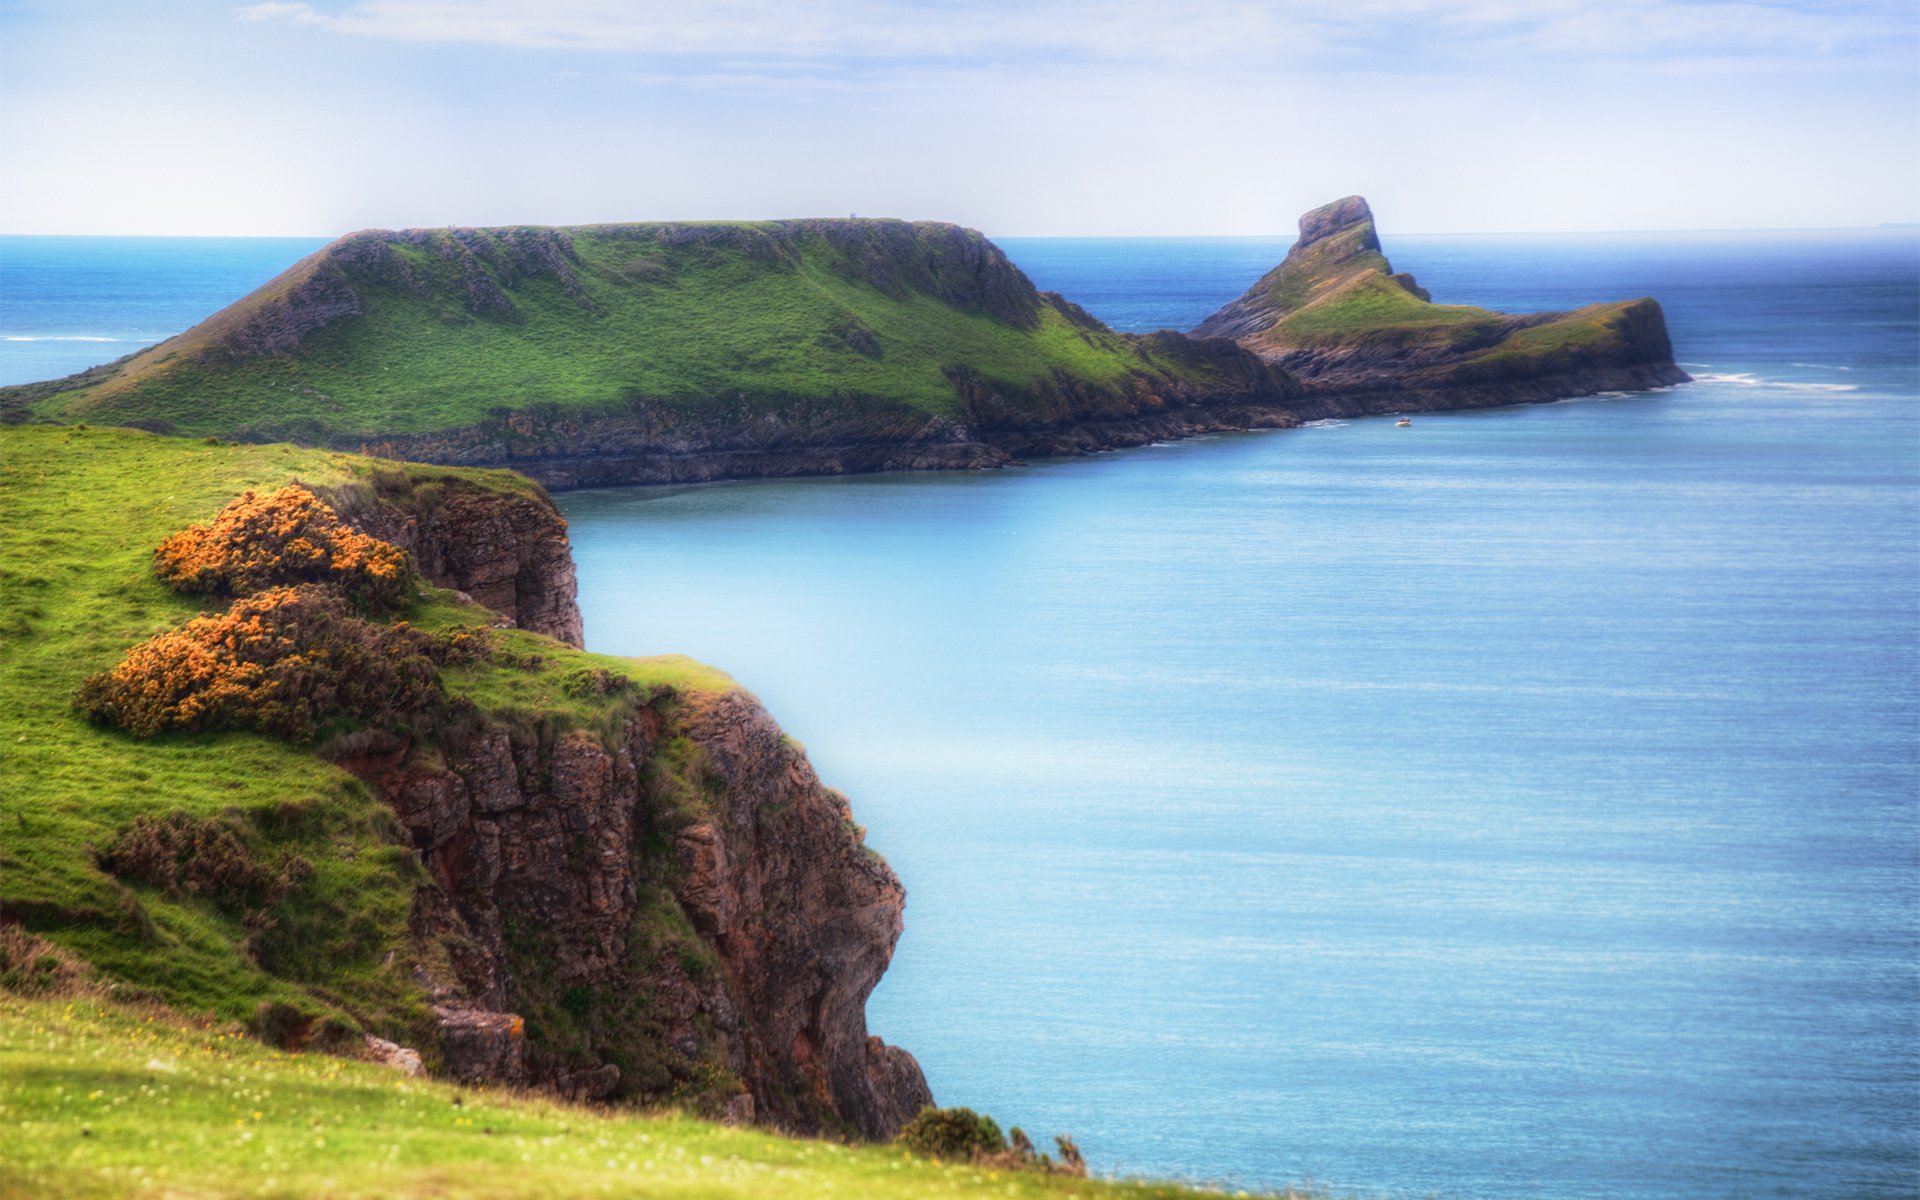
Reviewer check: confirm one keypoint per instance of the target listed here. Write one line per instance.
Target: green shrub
(953, 1133)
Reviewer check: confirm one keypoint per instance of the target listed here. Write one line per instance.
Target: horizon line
(1884, 226)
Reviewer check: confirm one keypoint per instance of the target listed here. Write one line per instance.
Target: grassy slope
(80, 512)
(105, 1101)
(687, 323)
(1340, 294)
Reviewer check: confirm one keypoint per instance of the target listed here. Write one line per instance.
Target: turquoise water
(1519, 804)
(1525, 803)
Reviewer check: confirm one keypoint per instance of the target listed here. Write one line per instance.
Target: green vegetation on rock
(1335, 313)
(385, 333)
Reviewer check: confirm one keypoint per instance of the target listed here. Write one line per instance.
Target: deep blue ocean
(1522, 803)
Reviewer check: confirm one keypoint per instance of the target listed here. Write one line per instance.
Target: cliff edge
(610, 878)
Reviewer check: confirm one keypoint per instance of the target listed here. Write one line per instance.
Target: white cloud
(1211, 33)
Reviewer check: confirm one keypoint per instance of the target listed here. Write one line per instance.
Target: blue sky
(1014, 116)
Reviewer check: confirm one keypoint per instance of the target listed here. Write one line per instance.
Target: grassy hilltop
(102, 1100)
(412, 332)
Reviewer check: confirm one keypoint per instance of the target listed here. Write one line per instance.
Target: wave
(1324, 423)
(1749, 379)
(1592, 396)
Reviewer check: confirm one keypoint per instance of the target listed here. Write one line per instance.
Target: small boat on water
(1403, 422)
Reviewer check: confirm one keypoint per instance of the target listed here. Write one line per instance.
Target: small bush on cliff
(953, 1133)
(962, 1135)
(289, 536)
(282, 662)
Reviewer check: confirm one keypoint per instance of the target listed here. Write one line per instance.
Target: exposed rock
(686, 903)
(1362, 339)
(482, 1046)
(1348, 212)
(505, 549)
(392, 1054)
(659, 443)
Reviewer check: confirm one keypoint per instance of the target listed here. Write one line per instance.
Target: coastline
(629, 453)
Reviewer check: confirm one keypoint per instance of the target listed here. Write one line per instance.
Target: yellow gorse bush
(288, 536)
(281, 661)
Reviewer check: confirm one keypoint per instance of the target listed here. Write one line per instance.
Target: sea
(1520, 803)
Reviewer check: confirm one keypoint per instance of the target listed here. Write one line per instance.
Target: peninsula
(656, 353)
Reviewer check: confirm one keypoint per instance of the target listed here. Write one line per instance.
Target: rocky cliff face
(667, 906)
(680, 911)
(505, 548)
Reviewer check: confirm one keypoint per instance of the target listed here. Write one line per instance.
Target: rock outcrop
(681, 911)
(506, 547)
(1361, 339)
(1186, 386)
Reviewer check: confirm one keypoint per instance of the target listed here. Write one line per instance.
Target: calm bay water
(1525, 803)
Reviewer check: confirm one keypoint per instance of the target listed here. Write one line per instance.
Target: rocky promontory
(653, 353)
(1362, 339)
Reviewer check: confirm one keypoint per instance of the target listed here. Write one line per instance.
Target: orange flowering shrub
(286, 537)
(283, 662)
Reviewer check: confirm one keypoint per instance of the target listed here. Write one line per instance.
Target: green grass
(708, 330)
(1372, 308)
(106, 1100)
(80, 512)
(1340, 293)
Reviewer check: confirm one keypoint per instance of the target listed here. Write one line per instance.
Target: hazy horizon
(1027, 118)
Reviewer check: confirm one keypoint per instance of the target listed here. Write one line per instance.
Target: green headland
(650, 353)
(422, 331)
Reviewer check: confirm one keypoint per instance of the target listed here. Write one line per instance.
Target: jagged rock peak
(1343, 214)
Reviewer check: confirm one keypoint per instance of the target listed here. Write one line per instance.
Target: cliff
(500, 542)
(1362, 339)
(680, 909)
(611, 878)
(667, 352)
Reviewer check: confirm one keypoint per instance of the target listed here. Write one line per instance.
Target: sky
(1018, 117)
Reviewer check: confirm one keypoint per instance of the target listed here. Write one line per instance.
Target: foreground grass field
(101, 1100)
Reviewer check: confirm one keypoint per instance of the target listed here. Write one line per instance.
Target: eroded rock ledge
(679, 911)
